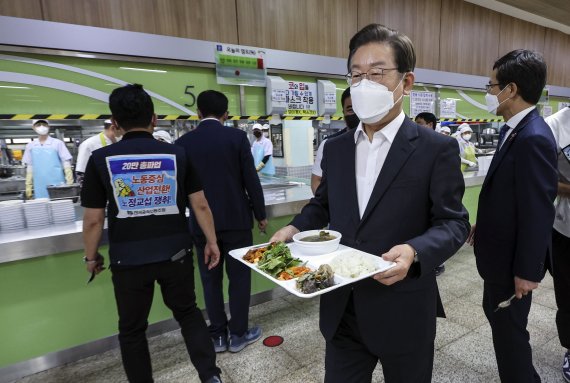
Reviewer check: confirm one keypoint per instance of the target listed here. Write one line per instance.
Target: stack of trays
(37, 212)
(62, 211)
(11, 217)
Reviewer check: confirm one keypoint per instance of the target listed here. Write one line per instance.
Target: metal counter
(281, 199)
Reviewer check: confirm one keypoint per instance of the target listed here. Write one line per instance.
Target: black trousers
(239, 288)
(348, 360)
(559, 268)
(134, 290)
(510, 336)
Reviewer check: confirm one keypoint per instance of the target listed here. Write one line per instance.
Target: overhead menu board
(240, 65)
(302, 99)
(421, 101)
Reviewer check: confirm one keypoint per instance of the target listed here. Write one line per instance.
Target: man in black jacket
(224, 162)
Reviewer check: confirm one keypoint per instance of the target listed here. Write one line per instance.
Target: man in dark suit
(223, 159)
(512, 236)
(394, 189)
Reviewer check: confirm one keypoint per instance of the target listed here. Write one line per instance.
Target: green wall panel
(46, 304)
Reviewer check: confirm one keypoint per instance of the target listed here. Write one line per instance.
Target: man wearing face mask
(393, 189)
(512, 236)
(351, 121)
(108, 136)
(262, 151)
(467, 149)
(48, 162)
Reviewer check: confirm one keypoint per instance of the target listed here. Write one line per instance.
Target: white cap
(265, 127)
(257, 126)
(163, 135)
(445, 129)
(464, 128)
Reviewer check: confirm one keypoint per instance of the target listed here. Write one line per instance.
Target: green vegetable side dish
(277, 259)
(321, 237)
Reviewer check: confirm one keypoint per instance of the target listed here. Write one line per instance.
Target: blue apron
(258, 154)
(47, 170)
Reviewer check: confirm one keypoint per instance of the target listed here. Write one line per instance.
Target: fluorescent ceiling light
(144, 70)
(14, 87)
(85, 55)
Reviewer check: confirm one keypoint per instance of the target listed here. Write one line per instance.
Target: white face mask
(492, 101)
(467, 137)
(371, 101)
(42, 130)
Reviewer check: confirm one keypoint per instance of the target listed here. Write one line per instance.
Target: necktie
(502, 134)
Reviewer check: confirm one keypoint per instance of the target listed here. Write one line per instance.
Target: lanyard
(102, 138)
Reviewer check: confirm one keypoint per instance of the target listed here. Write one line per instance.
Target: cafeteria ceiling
(553, 14)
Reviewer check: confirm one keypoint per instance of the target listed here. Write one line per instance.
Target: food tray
(314, 261)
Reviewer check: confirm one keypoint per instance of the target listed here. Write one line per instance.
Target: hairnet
(464, 128)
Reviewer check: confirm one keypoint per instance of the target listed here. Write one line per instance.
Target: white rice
(352, 264)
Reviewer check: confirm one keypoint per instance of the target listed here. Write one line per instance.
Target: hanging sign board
(448, 108)
(421, 101)
(301, 99)
(240, 65)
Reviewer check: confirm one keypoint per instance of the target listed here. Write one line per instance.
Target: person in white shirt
(351, 120)
(48, 162)
(467, 149)
(262, 151)
(108, 136)
(559, 265)
(393, 189)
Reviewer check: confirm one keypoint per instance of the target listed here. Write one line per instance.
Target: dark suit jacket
(516, 211)
(222, 157)
(416, 200)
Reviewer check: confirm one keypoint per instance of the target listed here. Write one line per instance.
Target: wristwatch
(86, 260)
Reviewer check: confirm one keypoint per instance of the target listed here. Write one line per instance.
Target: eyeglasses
(374, 74)
(489, 86)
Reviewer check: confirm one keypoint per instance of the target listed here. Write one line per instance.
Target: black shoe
(439, 270)
(214, 379)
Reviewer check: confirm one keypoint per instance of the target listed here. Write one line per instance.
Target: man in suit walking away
(393, 189)
(222, 157)
(512, 235)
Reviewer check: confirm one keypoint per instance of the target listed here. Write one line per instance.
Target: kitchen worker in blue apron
(262, 150)
(108, 136)
(48, 162)
(145, 185)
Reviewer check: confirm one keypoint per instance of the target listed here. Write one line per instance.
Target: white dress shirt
(514, 121)
(370, 157)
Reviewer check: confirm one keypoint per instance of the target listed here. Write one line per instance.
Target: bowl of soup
(317, 242)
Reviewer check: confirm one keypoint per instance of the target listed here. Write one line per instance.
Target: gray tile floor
(464, 350)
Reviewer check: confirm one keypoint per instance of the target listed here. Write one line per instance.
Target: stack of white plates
(62, 211)
(11, 217)
(37, 212)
